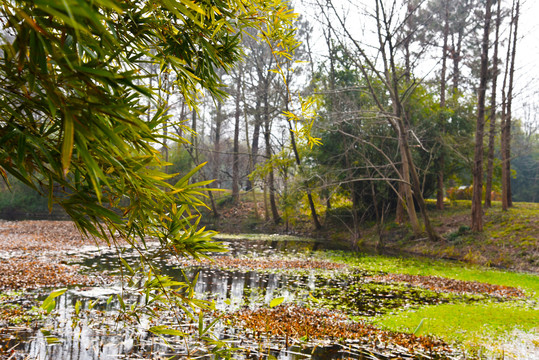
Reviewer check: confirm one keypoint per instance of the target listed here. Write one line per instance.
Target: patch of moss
(471, 324)
(444, 268)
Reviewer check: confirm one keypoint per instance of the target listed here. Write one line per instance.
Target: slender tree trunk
(416, 185)
(477, 211)
(193, 152)
(356, 234)
(507, 94)
(266, 209)
(193, 146)
(503, 121)
(508, 193)
(256, 137)
(403, 193)
(249, 185)
(271, 175)
(409, 206)
(503, 125)
(441, 159)
(165, 149)
(217, 143)
(314, 215)
(235, 155)
(406, 42)
(456, 57)
(399, 214)
(490, 156)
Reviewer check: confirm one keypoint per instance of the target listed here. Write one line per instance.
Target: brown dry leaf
(29, 273)
(298, 322)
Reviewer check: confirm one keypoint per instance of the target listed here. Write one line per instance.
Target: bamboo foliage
(73, 124)
(75, 119)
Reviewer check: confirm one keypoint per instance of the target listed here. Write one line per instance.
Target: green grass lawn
(476, 325)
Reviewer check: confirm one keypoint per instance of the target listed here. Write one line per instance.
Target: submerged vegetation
(320, 301)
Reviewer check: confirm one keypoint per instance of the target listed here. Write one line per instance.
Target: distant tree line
(390, 135)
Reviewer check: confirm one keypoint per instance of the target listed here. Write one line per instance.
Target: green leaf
(49, 304)
(127, 266)
(49, 338)
(77, 307)
(68, 141)
(276, 302)
(200, 323)
(418, 328)
(165, 330)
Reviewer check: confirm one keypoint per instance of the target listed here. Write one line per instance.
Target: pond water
(87, 324)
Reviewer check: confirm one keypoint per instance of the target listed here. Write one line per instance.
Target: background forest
(391, 98)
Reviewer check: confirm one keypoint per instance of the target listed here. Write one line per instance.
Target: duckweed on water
(358, 296)
(437, 283)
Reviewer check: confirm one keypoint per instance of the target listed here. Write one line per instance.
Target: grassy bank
(510, 238)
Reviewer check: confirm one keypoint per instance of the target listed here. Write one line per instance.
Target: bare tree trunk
(456, 50)
(404, 189)
(217, 143)
(192, 149)
(314, 215)
(165, 124)
(255, 140)
(249, 185)
(399, 214)
(356, 233)
(418, 194)
(266, 209)
(492, 133)
(235, 155)
(409, 206)
(194, 146)
(507, 162)
(271, 175)
(477, 211)
(441, 159)
(503, 125)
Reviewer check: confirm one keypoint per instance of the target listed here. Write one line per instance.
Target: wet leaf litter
(272, 300)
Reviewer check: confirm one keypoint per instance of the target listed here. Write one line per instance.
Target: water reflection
(81, 337)
(99, 334)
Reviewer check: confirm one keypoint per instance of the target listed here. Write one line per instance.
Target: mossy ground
(476, 326)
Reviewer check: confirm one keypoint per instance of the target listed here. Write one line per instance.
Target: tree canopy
(75, 100)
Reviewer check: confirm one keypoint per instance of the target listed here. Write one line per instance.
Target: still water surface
(100, 334)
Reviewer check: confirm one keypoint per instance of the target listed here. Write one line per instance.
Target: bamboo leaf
(276, 302)
(68, 141)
